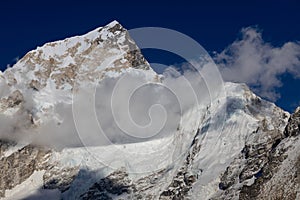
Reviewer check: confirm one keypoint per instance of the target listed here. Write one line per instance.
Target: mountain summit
(234, 147)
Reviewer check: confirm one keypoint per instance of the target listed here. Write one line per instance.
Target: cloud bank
(120, 110)
(257, 63)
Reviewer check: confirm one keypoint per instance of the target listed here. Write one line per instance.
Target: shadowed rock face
(279, 178)
(183, 181)
(61, 179)
(116, 183)
(293, 128)
(274, 166)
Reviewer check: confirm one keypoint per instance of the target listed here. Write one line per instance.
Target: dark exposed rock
(260, 159)
(293, 127)
(20, 165)
(267, 185)
(5, 145)
(272, 164)
(13, 100)
(35, 85)
(137, 60)
(56, 178)
(116, 183)
(183, 181)
(117, 27)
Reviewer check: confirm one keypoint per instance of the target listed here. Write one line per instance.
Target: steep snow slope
(249, 120)
(216, 150)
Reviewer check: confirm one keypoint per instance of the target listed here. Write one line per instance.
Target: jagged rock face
(292, 128)
(11, 103)
(183, 181)
(272, 167)
(252, 152)
(57, 178)
(5, 145)
(20, 165)
(279, 178)
(116, 183)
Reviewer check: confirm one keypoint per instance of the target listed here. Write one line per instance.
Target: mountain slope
(237, 146)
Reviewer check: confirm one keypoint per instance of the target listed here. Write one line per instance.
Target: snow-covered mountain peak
(217, 150)
(49, 74)
(105, 50)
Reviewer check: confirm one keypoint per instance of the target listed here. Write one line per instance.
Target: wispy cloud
(257, 63)
(128, 109)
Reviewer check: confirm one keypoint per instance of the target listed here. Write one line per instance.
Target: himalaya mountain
(235, 146)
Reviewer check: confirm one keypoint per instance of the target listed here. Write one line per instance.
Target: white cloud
(257, 63)
(128, 109)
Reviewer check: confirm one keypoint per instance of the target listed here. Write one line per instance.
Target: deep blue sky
(27, 24)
